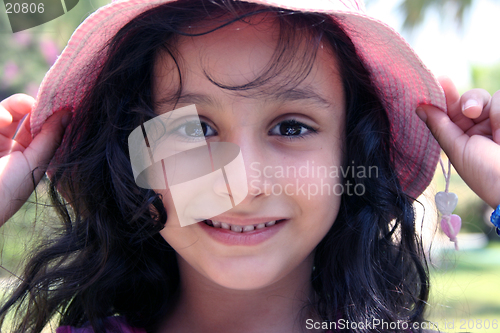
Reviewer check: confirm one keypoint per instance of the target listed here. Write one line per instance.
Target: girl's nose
(255, 157)
(237, 171)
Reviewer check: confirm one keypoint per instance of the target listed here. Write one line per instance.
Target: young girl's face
(285, 135)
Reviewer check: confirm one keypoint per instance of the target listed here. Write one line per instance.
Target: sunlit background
(457, 38)
(463, 45)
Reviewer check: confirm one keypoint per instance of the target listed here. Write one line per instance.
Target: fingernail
(421, 114)
(469, 103)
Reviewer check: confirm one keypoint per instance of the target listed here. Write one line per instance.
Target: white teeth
(248, 228)
(236, 228)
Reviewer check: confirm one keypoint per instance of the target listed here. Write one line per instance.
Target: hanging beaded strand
(446, 202)
(495, 219)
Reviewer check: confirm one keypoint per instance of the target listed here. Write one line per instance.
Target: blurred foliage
(27, 55)
(486, 77)
(415, 10)
(464, 290)
(22, 232)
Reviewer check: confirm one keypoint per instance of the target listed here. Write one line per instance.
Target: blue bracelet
(495, 219)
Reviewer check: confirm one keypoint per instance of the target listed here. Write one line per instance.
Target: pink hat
(397, 72)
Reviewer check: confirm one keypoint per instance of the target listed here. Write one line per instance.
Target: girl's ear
(154, 213)
(157, 210)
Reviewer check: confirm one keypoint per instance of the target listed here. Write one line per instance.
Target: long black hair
(108, 257)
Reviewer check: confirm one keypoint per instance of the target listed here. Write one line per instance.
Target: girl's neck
(204, 306)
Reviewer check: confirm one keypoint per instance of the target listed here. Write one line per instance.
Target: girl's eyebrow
(301, 94)
(288, 95)
(187, 99)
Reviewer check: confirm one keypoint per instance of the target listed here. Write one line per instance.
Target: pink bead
(456, 223)
(446, 202)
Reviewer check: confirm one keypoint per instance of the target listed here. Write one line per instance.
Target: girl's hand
(470, 135)
(22, 157)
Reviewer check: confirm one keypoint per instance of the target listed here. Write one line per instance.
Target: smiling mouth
(241, 228)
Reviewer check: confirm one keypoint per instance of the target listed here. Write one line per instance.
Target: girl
(310, 87)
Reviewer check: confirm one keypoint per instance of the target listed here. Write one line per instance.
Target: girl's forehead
(265, 28)
(244, 52)
(244, 46)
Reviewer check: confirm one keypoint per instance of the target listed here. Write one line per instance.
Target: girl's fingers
(43, 147)
(448, 134)
(23, 136)
(8, 125)
(453, 104)
(495, 116)
(21, 169)
(483, 129)
(452, 96)
(469, 110)
(475, 104)
(5, 117)
(17, 106)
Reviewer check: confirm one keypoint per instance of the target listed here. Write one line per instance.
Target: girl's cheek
(172, 219)
(174, 234)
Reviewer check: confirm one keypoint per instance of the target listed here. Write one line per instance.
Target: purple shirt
(115, 324)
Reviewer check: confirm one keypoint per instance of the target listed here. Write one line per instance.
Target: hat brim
(401, 77)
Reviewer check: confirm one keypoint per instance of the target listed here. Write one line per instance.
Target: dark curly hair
(108, 257)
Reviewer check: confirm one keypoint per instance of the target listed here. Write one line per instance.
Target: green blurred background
(464, 283)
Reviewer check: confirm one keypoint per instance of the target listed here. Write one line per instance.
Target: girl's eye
(292, 128)
(195, 129)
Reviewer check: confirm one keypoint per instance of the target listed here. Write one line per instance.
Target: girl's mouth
(240, 228)
(246, 235)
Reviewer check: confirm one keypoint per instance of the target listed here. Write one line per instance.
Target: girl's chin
(249, 283)
(244, 278)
